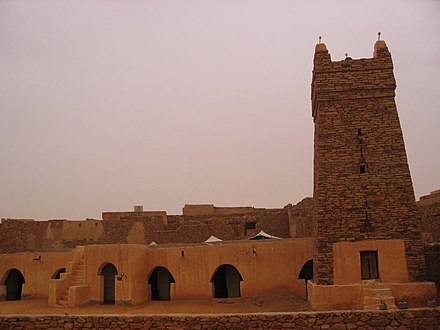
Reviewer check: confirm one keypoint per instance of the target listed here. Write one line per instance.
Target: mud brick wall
(356, 122)
(403, 320)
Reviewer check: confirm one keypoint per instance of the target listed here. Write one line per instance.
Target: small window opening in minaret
(362, 165)
(360, 138)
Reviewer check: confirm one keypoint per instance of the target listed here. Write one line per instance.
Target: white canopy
(213, 240)
(263, 235)
(153, 243)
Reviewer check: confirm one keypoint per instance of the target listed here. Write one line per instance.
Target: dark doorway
(109, 272)
(14, 284)
(160, 281)
(306, 273)
(57, 274)
(226, 281)
(369, 265)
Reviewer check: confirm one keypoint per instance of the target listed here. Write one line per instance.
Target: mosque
(360, 241)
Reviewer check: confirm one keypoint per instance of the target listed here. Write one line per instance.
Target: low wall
(349, 297)
(398, 319)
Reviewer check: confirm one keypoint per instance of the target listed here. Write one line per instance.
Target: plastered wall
(265, 266)
(37, 269)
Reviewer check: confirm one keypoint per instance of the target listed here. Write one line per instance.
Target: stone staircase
(65, 290)
(376, 292)
(78, 278)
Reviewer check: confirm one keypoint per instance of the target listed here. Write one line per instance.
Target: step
(60, 306)
(374, 291)
(370, 302)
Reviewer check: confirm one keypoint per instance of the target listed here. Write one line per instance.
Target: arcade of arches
(133, 274)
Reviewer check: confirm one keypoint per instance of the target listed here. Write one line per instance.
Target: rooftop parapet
(432, 198)
(8, 220)
(210, 209)
(351, 78)
(136, 215)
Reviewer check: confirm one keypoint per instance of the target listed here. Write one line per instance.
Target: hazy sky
(109, 104)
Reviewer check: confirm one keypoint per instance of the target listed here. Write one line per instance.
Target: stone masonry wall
(429, 209)
(428, 319)
(301, 218)
(432, 257)
(137, 228)
(356, 123)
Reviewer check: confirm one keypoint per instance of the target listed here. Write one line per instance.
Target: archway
(160, 281)
(13, 280)
(109, 272)
(226, 280)
(306, 273)
(57, 274)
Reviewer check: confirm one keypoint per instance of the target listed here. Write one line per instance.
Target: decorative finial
(319, 39)
(378, 36)
(346, 55)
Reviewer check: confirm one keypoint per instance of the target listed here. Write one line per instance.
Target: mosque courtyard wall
(263, 265)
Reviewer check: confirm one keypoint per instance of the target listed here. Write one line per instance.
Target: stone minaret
(362, 184)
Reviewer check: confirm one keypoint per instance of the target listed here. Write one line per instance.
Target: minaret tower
(364, 197)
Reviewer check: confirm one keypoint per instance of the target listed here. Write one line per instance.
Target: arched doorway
(13, 280)
(226, 280)
(160, 281)
(108, 272)
(57, 274)
(306, 273)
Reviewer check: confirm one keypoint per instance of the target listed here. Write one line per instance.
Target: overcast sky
(109, 104)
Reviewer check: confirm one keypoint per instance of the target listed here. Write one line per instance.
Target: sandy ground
(263, 303)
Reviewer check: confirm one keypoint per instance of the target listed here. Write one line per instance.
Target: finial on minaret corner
(346, 55)
(320, 46)
(380, 44)
(321, 52)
